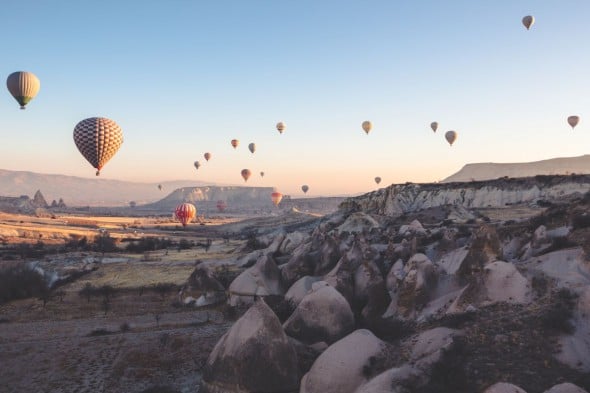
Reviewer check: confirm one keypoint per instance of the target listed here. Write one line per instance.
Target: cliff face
(398, 199)
(554, 166)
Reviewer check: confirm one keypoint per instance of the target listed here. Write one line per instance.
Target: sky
(184, 77)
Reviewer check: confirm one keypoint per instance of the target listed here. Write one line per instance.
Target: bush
(99, 332)
(581, 221)
(20, 282)
(184, 244)
(124, 327)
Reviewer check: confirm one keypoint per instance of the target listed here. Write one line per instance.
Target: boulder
(503, 283)
(342, 278)
(503, 387)
(323, 315)
(566, 388)
(299, 289)
(262, 279)
(395, 380)
(347, 364)
(255, 355)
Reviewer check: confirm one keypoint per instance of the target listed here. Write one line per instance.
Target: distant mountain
(554, 166)
(79, 191)
(237, 199)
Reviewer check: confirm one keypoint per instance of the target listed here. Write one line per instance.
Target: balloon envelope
(261, 174)
(246, 174)
(252, 147)
(528, 21)
(451, 137)
(367, 126)
(281, 126)
(235, 143)
(98, 139)
(207, 156)
(305, 188)
(377, 180)
(23, 86)
(276, 198)
(197, 164)
(434, 126)
(573, 121)
(160, 187)
(185, 213)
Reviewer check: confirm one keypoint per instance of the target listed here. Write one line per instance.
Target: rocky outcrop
(255, 355)
(262, 279)
(398, 199)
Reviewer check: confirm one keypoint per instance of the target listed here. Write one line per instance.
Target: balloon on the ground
(305, 188)
(98, 139)
(235, 143)
(281, 126)
(573, 121)
(207, 156)
(367, 126)
(23, 86)
(528, 21)
(434, 126)
(185, 213)
(252, 147)
(377, 180)
(246, 174)
(451, 137)
(276, 197)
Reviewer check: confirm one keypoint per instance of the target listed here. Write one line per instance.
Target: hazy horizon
(183, 78)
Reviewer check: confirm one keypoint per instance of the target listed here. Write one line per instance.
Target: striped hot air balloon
(281, 127)
(98, 139)
(23, 86)
(185, 213)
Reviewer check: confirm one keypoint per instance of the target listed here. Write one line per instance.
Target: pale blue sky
(185, 77)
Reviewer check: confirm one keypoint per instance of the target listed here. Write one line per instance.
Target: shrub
(558, 316)
(99, 332)
(21, 281)
(124, 327)
(581, 221)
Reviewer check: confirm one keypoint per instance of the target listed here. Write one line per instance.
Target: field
(140, 337)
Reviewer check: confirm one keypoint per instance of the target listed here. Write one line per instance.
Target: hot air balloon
(235, 143)
(528, 21)
(434, 126)
(573, 121)
(304, 188)
(221, 205)
(98, 139)
(281, 126)
(252, 147)
(197, 164)
(246, 174)
(23, 86)
(261, 174)
(160, 187)
(185, 213)
(377, 180)
(367, 126)
(451, 137)
(207, 156)
(276, 197)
